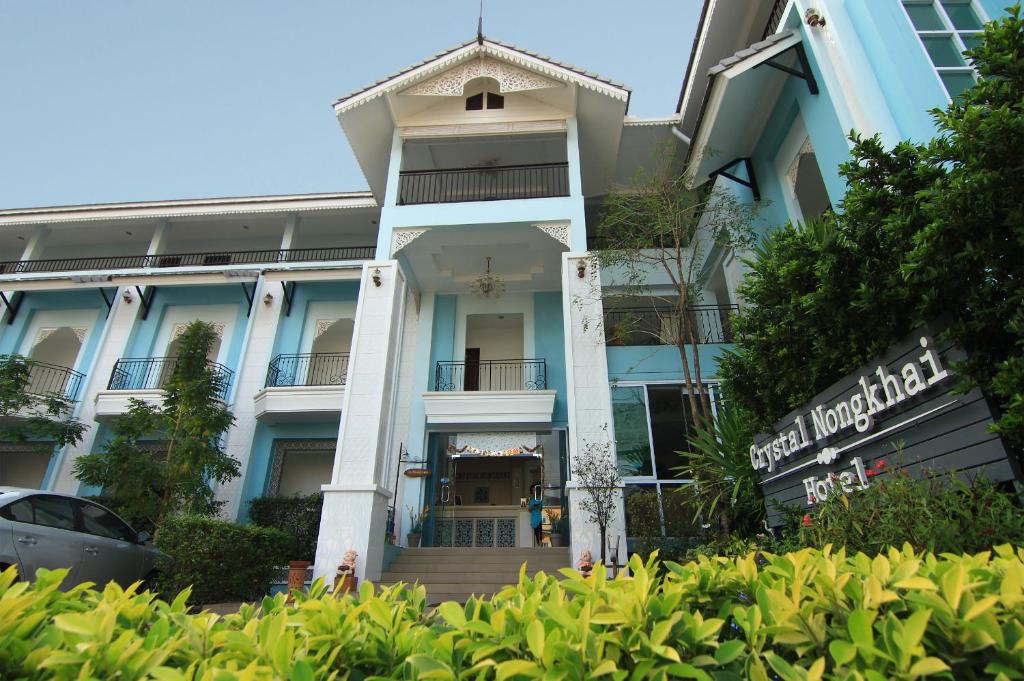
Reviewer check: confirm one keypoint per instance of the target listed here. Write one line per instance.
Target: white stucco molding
(510, 78)
(296, 404)
(401, 238)
(559, 231)
(489, 408)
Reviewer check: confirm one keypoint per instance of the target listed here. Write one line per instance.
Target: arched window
(493, 101)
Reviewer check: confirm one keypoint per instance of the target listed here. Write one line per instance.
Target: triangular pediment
(510, 78)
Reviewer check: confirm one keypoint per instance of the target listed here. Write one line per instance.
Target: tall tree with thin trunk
(654, 242)
(597, 476)
(163, 460)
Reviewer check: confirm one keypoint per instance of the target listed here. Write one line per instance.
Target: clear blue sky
(118, 100)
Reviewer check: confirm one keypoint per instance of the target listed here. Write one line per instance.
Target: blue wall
(33, 302)
(660, 363)
(289, 330)
(549, 344)
(144, 336)
(442, 335)
(258, 473)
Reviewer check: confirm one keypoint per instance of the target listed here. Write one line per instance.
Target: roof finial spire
(480, 25)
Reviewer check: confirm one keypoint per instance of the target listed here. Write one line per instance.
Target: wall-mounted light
(126, 296)
(814, 18)
(376, 277)
(268, 299)
(581, 268)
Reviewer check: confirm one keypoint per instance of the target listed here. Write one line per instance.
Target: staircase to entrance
(454, 574)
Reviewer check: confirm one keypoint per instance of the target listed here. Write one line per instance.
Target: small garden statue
(345, 577)
(586, 563)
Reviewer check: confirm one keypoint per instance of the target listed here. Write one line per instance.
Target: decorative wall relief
(452, 83)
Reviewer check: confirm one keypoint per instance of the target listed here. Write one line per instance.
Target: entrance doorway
(493, 341)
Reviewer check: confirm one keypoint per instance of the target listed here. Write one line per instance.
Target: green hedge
(804, 615)
(221, 561)
(298, 517)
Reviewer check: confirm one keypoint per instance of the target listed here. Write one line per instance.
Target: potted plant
(560, 532)
(416, 521)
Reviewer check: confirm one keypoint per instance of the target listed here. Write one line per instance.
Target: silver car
(50, 530)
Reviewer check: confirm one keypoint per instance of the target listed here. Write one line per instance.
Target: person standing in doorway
(535, 506)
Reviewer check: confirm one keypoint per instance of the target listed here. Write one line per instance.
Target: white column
(158, 243)
(291, 231)
(588, 394)
(114, 339)
(355, 503)
(252, 373)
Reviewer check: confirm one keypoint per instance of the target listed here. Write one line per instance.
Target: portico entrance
(481, 484)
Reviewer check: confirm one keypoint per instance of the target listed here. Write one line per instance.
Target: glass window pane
(20, 511)
(54, 512)
(678, 507)
(962, 15)
(632, 446)
(943, 50)
(923, 16)
(642, 518)
(956, 82)
(670, 427)
(97, 521)
(971, 40)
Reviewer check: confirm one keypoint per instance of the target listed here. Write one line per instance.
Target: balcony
(535, 181)
(211, 259)
(651, 326)
(144, 379)
(46, 379)
(307, 387)
(490, 393)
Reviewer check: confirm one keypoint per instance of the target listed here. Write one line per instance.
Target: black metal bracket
(750, 184)
(12, 305)
(146, 299)
(109, 301)
(249, 296)
(803, 73)
(289, 295)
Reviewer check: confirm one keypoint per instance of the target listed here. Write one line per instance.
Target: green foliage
(597, 474)
(219, 560)
(298, 517)
(804, 615)
(40, 416)
(147, 485)
(933, 512)
(726, 490)
(926, 233)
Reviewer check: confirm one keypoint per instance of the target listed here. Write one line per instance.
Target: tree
(597, 476)
(26, 415)
(149, 483)
(653, 240)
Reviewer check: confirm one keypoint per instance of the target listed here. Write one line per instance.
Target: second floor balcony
(310, 369)
(47, 379)
(454, 185)
(491, 375)
(634, 326)
(490, 393)
(303, 387)
(144, 378)
(199, 259)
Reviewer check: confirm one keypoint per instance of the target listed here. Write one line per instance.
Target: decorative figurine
(586, 563)
(345, 578)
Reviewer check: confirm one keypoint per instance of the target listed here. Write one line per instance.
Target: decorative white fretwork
(495, 442)
(45, 333)
(794, 168)
(218, 328)
(559, 231)
(321, 327)
(401, 238)
(452, 83)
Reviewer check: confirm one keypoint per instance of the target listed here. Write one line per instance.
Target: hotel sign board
(901, 409)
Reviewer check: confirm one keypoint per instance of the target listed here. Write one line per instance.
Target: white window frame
(948, 30)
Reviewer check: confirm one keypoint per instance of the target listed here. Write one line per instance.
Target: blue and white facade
(369, 354)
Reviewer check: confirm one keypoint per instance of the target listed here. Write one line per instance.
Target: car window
(21, 511)
(54, 512)
(99, 521)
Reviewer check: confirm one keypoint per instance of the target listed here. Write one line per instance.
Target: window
(947, 28)
(632, 441)
(99, 521)
(476, 102)
(54, 512)
(20, 511)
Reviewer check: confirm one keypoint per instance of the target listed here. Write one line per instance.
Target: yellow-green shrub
(805, 615)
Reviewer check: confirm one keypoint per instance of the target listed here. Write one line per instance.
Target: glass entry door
(444, 527)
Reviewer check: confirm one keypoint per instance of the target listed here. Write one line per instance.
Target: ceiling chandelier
(488, 285)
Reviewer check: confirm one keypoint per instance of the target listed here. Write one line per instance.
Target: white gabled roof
(485, 47)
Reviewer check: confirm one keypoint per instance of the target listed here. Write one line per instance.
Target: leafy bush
(937, 513)
(298, 517)
(805, 615)
(220, 561)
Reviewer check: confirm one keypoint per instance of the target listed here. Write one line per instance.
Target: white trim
(788, 154)
(59, 318)
(176, 315)
(951, 31)
(511, 303)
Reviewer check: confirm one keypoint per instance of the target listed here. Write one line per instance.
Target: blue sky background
(119, 100)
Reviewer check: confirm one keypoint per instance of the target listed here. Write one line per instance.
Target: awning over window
(741, 95)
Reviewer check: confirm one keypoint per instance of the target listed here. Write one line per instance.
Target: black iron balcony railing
(211, 259)
(53, 379)
(153, 373)
(536, 181)
(491, 374)
(774, 17)
(318, 368)
(651, 326)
